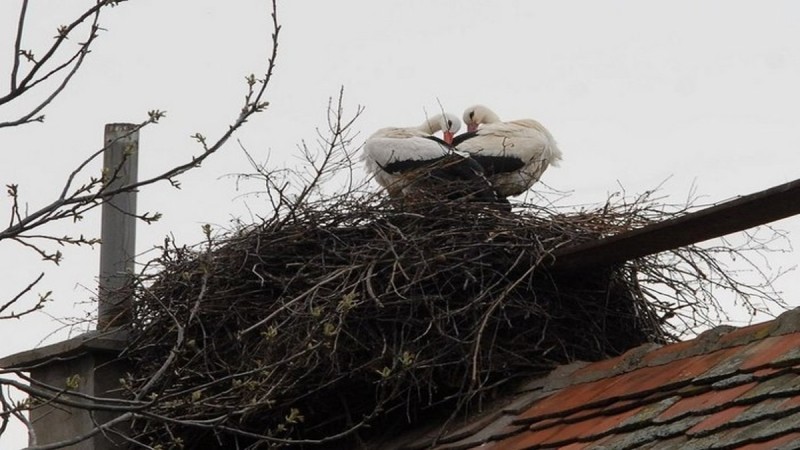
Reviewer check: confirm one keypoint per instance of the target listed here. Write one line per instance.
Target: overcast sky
(704, 95)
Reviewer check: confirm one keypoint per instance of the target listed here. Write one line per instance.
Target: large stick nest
(309, 326)
(342, 315)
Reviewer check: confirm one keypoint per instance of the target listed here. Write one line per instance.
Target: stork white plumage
(401, 159)
(514, 154)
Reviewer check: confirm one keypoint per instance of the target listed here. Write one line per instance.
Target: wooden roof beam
(719, 220)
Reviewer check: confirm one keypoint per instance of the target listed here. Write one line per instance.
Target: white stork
(514, 154)
(402, 159)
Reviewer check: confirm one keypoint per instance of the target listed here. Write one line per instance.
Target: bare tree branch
(37, 306)
(81, 193)
(18, 44)
(78, 198)
(30, 80)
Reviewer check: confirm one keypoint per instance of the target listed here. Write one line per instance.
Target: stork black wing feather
(455, 167)
(498, 164)
(408, 165)
(463, 137)
(466, 177)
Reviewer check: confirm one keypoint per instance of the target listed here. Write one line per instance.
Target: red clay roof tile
(768, 409)
(642, 381)
(791, 403)
(597, 427)
(498, 430)
(747, 334)
(730, 381)
(592, 371)
(702, 364)
(677, 442)
(716, 420)
(772, 350)
(766, 371)
(528, 439)
(724, 369)
(707, 401)
(614, 366)
(758, 431)
(546, 423)
(566, 400)
(650, 379)
(771, 386)
(638, 438)
(577, 446)
(523, 402)
(650, 412)
(668, 353)
(791, 440)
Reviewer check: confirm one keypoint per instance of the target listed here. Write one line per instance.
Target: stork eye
(471, 115)
(449, 124)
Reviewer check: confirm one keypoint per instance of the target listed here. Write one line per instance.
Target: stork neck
(431, 124)
(489, 117)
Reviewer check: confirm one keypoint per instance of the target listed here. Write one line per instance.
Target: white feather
(526, 140)
(389, 145)
(382, 151)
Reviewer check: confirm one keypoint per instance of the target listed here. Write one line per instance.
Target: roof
(728, 388)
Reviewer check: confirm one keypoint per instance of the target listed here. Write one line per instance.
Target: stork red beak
(472, 127)
(448, 136)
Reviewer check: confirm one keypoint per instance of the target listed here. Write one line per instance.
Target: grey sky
(635, 92)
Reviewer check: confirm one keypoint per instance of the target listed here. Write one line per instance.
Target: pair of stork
(492, 160)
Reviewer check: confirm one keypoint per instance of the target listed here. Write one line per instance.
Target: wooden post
(118, 234)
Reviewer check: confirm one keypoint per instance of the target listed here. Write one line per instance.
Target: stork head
(478, 114)
(448, 123)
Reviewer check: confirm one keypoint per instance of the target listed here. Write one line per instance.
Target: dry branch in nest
(309, 327)
(342, 315)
